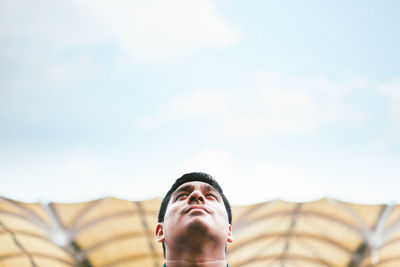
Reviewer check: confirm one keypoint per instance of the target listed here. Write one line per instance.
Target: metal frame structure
(111, 232)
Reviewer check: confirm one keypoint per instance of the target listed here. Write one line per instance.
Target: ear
(160, 233)
(230, 236)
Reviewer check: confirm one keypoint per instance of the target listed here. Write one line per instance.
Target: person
(195, 223)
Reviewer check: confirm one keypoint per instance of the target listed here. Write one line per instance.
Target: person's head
(195, 199)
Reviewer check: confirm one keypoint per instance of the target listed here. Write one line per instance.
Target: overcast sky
(295, 100)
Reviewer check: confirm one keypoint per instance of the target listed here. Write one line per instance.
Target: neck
(196, 256)
(190, 263)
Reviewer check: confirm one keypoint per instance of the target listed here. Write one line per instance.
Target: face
(195, 208)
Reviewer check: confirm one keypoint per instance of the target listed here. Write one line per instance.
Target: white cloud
(68, 72)
(201, 103)
(257, 180)
(272, 111)
(79, 175)
(164, 29)
(210, 160)
(316, 84)
(146, 30)
(280, 181)
(284, 105)
(58, 24)
(252, 182)
(278, 100)
(391, 90)
(74, 174)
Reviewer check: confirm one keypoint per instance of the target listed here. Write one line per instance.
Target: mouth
(197, 209)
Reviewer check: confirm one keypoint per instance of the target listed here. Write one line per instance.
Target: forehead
(195, 185)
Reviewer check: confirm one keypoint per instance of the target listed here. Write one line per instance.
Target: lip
(197, 208)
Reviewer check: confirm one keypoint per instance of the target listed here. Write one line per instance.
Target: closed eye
(181, 195)
(211, 196)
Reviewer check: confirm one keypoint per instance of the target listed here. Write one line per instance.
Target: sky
(293, 100)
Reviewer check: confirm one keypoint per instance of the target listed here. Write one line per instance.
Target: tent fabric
(111, 232)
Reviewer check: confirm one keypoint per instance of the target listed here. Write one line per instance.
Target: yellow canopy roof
(113, 232)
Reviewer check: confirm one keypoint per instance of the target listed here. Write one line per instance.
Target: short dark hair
(191, 177)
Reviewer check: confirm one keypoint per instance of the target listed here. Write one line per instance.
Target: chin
(198, 225)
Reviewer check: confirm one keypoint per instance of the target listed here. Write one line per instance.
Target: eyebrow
(188, 188)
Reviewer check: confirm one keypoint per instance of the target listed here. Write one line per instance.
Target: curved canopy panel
(112, 232)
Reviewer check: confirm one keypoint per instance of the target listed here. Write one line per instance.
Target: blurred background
(295, 100)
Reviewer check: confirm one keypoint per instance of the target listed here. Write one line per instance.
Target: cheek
(222, 215)
(171, 214)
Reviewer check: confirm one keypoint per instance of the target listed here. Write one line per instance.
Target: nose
(196, 196)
